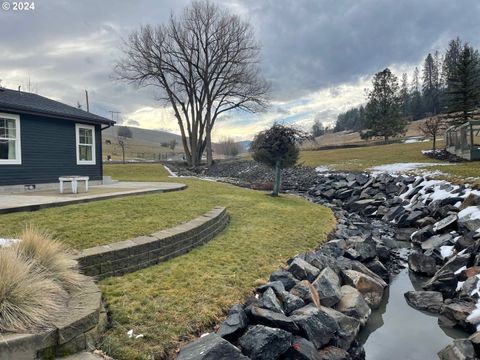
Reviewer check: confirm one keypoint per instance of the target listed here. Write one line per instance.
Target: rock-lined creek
(353, 298)
(396, 331)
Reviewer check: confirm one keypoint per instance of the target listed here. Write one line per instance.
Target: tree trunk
(278, 179)
(434, 142)
(209, 147)
(123, 154)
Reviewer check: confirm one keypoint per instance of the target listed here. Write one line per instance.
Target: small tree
(228, 147)
(172, 144)
(432, 127)
(317, 128)
(123, 134)
(277, 148)
(383, 111)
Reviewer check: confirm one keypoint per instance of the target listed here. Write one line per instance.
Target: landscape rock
(430, 301)
(265, 343)
(302, 270)
(273, 319)
(276, 286)
(285, 277)
(460, 349)
(315, 325)
(422, 264)
(378, 268)
(353, 304)
(348, 327)
(291, 302)
(457, 312)
(369, 287)
(334, 353)
(305, 291)
(210, 347)
(302, 349)
(327, 285)
(234, 324)
(270, 301)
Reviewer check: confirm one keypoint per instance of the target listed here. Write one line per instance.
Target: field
(363, 158)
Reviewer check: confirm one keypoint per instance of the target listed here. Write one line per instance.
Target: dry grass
(51, 255)
(29, 299)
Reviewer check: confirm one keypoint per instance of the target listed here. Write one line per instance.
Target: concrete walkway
(14, 202)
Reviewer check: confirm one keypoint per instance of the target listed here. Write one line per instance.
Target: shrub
(39, 246)
(29, 300)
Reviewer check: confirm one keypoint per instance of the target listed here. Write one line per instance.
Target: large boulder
(291, 302)
(348, 327)
(302, 270)
(285, 277)
(436, 241)
(379, 269)
(353, 304)
(456, 313)
(460, 349)
(265, 343)
(370, 288)
(210, 347)
(327, 285)
(422, 264)
(315, 325)
(271, 302)
(234, 324)
(334, 353)
(272, 319)
(469, 219)
(305, 291)
(430, 301)
(302, 349)
(445, 279)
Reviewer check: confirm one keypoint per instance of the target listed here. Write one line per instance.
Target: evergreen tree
(317, 128)
(463, 94)
(405, 96)
(383, 110)
(450, 59)
(416, 102)
(431, 84)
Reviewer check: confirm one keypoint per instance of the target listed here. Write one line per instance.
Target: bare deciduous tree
(123, 134)
(432, 127)
(228, 147)
(205, 63)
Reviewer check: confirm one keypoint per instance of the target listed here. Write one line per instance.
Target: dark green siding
(48, 151)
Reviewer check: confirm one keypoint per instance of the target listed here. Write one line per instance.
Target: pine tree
(431, 84)
(450, 59)
(416, 102)
(405, 96)
(463, 94)
(383, 110)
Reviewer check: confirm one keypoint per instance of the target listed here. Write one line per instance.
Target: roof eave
(104, 121)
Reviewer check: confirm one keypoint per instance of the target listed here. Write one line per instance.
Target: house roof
(28, 103)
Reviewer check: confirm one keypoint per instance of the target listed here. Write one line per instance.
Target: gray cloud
(308, 45)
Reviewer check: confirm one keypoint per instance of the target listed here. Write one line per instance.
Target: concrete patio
(36, 200)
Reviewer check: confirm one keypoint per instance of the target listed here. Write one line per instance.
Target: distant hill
(154, 136)
(145, 144)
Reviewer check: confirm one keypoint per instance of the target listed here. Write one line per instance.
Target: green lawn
(171, 302)
(362, 158)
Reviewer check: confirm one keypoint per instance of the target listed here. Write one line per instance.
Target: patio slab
(15, 202)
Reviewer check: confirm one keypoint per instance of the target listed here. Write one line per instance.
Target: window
(85, 144)
(10, 149)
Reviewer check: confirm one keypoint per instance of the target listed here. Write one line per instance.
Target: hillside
(353, 138)
(145, 144)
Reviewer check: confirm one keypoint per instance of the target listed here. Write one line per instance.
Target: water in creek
(396, 331)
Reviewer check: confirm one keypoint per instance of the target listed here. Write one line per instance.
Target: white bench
(74, 180)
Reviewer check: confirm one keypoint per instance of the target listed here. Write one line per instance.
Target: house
(42, 139)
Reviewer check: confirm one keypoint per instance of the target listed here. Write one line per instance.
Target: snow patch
(470, 213)
(446, 251)
(172, 174)
(322, 169)
(398, 168)
(7, 242)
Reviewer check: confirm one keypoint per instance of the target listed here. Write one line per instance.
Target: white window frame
(18, 141)
(77, 144)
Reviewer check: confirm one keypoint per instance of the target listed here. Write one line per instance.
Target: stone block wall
(130, 255)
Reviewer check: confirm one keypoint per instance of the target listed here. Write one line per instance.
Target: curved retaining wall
(130, 255)
(77, 328)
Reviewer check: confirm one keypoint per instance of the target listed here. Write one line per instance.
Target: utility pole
(116, 113)
(86, 100)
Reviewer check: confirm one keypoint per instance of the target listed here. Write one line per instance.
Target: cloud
(318, 54)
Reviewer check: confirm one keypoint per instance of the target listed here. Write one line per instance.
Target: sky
(318, 55)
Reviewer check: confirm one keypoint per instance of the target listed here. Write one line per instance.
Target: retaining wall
(77, 328)
(133, 254)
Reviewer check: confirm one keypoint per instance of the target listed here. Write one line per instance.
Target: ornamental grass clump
(29, 299)
(37, 277)
(51, 255)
